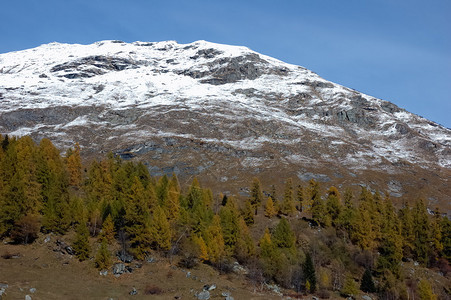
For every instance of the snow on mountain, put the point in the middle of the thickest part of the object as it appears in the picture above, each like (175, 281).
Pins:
(193, 108)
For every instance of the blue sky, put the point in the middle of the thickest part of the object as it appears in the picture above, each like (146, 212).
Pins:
(396, 50)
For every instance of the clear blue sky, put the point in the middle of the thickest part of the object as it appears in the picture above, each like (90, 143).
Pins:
(397, 50)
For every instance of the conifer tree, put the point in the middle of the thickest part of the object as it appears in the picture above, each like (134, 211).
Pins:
(162, 190)
(300, 197)
(270, 210)
(422, 244)
(309, 274)
(436, 233)
(160, 230)
(137, 220)
(283, 236)
(318, 209)
(81, 244)
(248, 212)
(446, 237)
(73, 162)
(390, 246)
(350, 287)
(333, 204)
(245, 247)
(256, 194)
(367, 283)
(107, 232)
(103, 257)
(215, 241)
(172, 205)
(425, 290)
(269, 254)
(229, 216)
(406, 220)
(202, 252)
(288, 204)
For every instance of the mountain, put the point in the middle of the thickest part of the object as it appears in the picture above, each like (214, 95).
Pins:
(225, 113)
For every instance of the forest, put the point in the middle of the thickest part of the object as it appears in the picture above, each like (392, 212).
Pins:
(307, 238)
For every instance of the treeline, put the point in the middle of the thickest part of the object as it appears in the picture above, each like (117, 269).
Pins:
(317, 242)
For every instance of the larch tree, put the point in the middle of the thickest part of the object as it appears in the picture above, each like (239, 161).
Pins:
(73, 162)
(160, 230)
(81, 244)
(270, 210)
(256, 194)
(288, 204)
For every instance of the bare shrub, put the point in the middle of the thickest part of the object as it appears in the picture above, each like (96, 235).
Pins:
(152, 289)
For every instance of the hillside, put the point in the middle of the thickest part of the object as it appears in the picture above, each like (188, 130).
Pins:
(223, 112)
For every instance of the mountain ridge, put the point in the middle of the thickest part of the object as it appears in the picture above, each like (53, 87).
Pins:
(225, 112)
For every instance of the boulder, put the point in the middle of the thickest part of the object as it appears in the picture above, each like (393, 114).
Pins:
(125, 257)
(118, 269)
(204, 295)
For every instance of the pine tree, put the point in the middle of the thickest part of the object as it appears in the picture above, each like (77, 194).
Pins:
(81, 244)
(367, 283)
(309, 274)
(270, 210)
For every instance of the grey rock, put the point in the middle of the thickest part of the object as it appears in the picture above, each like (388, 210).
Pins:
(133, 292)
(27, 297)
(366, 297)
(33, 290)
(103, 272)
(69, 250)
(125, 257)
(118, 269)
(188, 274)
(3, 286)
(47, 239)
(204, 295)
(208, 287)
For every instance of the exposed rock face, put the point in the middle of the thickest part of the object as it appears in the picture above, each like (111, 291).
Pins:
(225, 113)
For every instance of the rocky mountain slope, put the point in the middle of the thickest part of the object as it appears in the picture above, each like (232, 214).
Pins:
(225, 113)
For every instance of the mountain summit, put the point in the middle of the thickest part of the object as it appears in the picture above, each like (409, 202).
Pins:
(225, 113)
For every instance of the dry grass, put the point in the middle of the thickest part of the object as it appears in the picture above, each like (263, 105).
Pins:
(60, 276)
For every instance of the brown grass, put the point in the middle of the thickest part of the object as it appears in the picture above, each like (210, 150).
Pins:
(152, 289)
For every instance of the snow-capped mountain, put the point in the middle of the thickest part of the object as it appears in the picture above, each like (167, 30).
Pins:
(224, 112)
